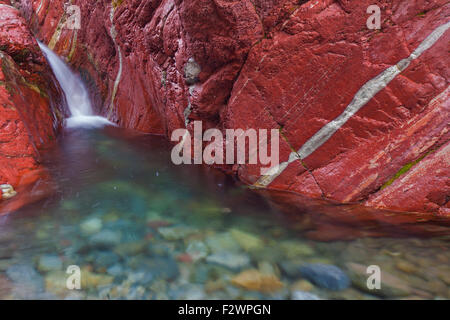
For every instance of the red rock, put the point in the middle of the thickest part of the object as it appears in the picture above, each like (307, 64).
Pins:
(320, 220)
(424, 188)
(29, 105)
(276, 64)
(321, 82)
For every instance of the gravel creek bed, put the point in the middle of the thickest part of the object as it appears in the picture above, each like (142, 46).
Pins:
(139, 229)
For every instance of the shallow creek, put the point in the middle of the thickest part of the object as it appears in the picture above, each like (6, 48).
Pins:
(139, 227)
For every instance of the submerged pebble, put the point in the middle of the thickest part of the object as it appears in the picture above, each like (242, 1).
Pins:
(91, 226)
(246, 240)
(49, 263)
(161, 268)
(115, 270)
(26, 276)
(302, 295)
(302, 285)
(294, 249)
(189, 292)
(105, 239)
(176, 233)
(326, 276)
(292, 268)
(55, 282)
(92, 280)
(390, 286)
(255, 280)
(219, 242)
(104, 259)
(197, 250)
(230, 260)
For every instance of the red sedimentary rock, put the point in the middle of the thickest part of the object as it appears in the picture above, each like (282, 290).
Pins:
(356, 107)
(29, 102)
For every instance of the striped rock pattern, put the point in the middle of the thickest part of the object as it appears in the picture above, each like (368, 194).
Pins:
(363, 114)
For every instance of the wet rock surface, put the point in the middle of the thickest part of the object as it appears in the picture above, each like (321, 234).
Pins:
(280, 64)
(31, 108)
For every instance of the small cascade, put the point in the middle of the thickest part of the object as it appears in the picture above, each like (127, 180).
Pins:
(81, 114)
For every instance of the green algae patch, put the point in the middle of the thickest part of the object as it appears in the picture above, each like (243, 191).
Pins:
(404, 170)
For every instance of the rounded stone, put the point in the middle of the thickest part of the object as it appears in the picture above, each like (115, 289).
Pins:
(325, 276)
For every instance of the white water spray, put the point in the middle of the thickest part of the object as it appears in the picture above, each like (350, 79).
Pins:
(77, 96)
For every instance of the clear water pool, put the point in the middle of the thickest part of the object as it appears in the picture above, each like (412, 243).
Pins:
(139, 227)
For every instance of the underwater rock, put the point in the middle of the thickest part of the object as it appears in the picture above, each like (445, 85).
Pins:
(302, 285)
(325, 276)
(56, 283)
(161, 268)
(189, 292)
(257, 281)
(268, 268)
(160, 249)
(103, 259)
(26, 277)
(301, 295)
(391, 286)
(49, 263)
(219, 242)
(233, 261)
(291, 268)
(115, 270)
(406, 266)
(246, 240)
(90, 280)
(105, 239)
(197, 250)
(130, 248)
(91, 226)
(296, 249)
(176, 232)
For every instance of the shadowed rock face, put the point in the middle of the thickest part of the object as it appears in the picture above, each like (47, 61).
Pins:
(368, 125)
(29, 101)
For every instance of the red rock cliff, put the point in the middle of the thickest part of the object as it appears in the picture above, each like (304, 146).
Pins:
(363, 113)
(29, 101)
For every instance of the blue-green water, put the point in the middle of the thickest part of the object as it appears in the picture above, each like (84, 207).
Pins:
(139, 227)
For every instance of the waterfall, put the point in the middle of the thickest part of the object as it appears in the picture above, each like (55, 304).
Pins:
(81, 114)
